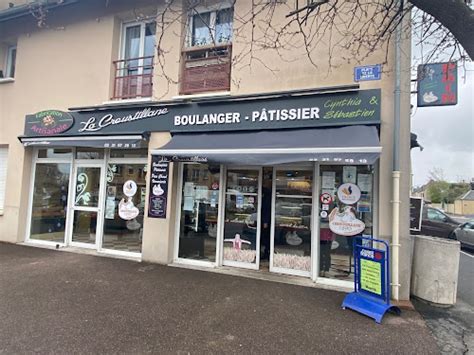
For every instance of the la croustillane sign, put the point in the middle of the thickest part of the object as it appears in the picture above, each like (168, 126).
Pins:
(230, 114)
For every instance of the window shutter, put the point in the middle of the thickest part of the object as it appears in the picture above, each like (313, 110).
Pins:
(3, 175)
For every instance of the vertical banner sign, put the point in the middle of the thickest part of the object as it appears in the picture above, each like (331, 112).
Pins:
(158, 200)
(437, 84)
(371, 294)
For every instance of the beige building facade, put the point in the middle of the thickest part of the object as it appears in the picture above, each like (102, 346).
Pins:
(157, 133)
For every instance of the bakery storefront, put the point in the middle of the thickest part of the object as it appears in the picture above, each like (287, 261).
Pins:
(280, 183)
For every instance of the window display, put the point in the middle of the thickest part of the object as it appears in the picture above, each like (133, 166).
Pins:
(292, 227)
(124, 207)
(199, 208)
(346, 206)
(50, 196)
(241, 216)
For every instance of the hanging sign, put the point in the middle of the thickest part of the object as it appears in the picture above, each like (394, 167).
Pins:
(159, 175)
(437, 84)
(345, 223)
(348, 193)
(371, 294)
(127, 210)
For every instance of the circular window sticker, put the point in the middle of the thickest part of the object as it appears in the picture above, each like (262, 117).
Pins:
(130, 188)
(348, 193)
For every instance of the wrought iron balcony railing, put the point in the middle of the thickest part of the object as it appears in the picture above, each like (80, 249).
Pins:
(133, 78)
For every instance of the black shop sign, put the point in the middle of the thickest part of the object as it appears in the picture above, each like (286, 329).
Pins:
(158, 196)
(275, 112)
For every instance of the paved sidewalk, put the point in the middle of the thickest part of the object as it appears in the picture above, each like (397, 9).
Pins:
(59, 302)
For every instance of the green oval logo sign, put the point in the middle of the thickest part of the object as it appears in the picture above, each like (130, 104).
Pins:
(50, 123)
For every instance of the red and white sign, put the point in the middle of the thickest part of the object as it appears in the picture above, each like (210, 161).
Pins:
(215, 186)
(325, 198)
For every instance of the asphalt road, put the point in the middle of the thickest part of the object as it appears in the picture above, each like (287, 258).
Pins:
(59, 302)
(466, 277)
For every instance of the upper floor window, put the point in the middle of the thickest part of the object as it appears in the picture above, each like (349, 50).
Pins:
(139, 40)
(134, 71)
(212, 27)
(10, 61)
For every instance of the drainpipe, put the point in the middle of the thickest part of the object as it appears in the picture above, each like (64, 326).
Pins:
(396, 168)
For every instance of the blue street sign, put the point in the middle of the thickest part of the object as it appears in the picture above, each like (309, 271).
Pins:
(368, 72)
(371, 294)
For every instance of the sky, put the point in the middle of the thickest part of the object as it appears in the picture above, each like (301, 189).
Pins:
(447, 135)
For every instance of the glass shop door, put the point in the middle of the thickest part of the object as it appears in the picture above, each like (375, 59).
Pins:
(86, 216)
(241, 241)
(291, 230)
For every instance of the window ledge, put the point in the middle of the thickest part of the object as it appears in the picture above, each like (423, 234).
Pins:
(7, 80)
(127, 101)
(200, 96)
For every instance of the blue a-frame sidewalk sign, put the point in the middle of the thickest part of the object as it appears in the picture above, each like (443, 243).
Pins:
(371, 294)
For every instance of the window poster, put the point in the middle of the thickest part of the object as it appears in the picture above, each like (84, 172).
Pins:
(201, 192)
(364, 204)
(214, 198)
(110, 202)
(349, 174)
(188, 204)
(365, 182)
(329, 180)
(188, 189)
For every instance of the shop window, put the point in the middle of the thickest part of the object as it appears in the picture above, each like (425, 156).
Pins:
(124, 231)
(3, 175)
(346, 205)
(199, 209)
(241, 220)
(129, 153)
(53, 153)
(134, 72)
(89, 153)
(292, 226)
(49, 202)
(10, 62)
(207, 56)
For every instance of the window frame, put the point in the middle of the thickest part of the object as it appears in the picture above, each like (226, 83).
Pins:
(4, 148)
(212, 10)
(9, 63)
(125, 26)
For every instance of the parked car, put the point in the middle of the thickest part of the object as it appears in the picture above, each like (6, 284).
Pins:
(436, 223)
(465, 234)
